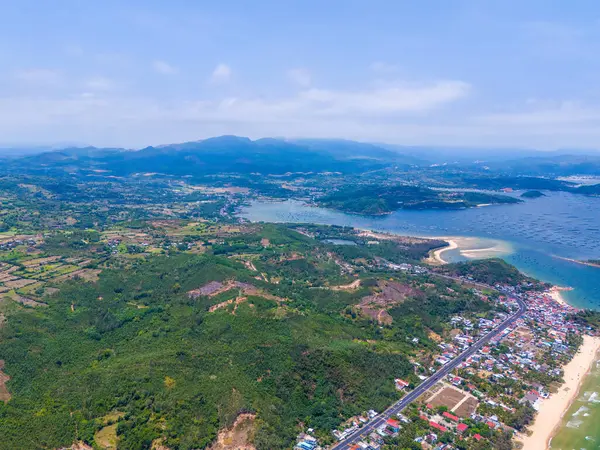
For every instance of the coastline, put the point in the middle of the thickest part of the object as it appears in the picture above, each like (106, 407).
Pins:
(579, 261)
(555, 293)
(470, 248)
(435, 256)
(551, 411)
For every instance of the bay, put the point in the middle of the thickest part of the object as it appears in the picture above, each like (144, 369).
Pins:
(534, 235)
(538, 236)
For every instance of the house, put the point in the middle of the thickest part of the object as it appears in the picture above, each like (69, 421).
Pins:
(462, 427)
(437, 426)
(401, 384)
(532, 398)
(393, 424)
(477, 437)
(452, 417)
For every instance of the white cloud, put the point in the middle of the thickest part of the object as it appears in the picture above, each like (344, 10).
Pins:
(164, 67)
(221, 74)
(39, 76)
(545, 114)
(300, 76)
(368, 114)
(390, 100)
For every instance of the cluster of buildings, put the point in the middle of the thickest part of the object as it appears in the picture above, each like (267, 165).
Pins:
(17, 241)
(538, 342)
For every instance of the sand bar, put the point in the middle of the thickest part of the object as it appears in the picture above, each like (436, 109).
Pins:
(436, 255)
(552, 409)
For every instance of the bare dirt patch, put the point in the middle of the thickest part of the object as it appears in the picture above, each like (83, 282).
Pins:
(107, 437)
(448, 397)
(237, 301)
(458, 402)
(239, 436)
(91, 275)
(40, 261)
(27, 301)
(467, 408)
(215, 288)
(4, 394)
(19, 283)
(387, 294)
(347, 287)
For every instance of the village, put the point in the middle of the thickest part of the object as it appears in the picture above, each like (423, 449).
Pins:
(495, 392)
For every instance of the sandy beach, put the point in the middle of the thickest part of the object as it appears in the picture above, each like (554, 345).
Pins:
(470, 248)
(552, 409)
(555, 293)
(436, 256)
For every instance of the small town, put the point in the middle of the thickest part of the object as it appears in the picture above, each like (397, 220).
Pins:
(496, 391)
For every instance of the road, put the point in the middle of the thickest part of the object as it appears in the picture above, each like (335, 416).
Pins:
(428, 383)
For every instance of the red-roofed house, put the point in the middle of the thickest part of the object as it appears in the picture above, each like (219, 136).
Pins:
(452, 417)
(492, 425)
(401, 384)
(393, 424)
(461, 427)
(437, 426)
(478, 437)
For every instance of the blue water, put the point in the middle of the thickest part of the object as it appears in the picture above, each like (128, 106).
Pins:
(538, 230)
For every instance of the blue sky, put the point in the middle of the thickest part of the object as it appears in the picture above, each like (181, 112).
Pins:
(133, 73)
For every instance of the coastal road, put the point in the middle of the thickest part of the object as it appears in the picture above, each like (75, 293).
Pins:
(372, 425)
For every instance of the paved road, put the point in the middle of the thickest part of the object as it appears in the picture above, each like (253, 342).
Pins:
(428, 383)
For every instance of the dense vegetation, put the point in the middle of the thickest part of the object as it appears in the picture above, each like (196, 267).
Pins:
(588, 318)
(489, 271)
(380, 199)
(134, 346)
(532, 194)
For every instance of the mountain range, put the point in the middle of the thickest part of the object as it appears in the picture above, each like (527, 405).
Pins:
(234, 154)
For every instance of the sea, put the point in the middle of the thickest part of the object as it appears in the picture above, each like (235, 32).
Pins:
(541, 237)
(579, 429)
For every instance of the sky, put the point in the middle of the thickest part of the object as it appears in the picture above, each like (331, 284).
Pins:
(480, 73)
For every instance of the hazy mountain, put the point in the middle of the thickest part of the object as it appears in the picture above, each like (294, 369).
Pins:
(235, 154)
(353, 149)
(223, 154)
(462, 155)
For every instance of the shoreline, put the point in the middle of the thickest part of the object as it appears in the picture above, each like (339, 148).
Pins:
(552, 410)
(555, 293)
(579, 261)
(435, 257)
(467, 249)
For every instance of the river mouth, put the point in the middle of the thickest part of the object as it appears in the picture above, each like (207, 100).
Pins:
(464, 248)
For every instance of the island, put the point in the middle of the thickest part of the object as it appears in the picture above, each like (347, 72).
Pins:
(533, 194)
(383, 199)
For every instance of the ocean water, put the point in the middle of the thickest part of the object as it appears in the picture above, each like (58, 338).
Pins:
(579, 428)
(534, 235)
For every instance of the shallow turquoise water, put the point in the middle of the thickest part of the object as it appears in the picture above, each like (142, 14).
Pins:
(539, 231)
